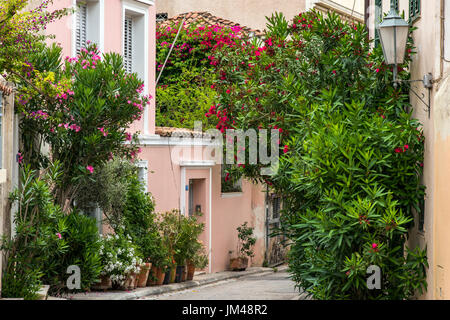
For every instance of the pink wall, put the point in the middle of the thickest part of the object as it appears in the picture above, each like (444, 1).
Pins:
(227, 211)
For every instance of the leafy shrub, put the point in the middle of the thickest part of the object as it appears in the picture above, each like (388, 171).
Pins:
(38, 223)
(181, 104)
(351, 154)
(246, 241)
(82, 111)
(83, 240)
(187, 244)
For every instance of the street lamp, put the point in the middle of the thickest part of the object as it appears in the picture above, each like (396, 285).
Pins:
(393, 32)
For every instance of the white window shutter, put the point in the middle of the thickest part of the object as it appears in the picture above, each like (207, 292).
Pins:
(128, 44)
(81, 31)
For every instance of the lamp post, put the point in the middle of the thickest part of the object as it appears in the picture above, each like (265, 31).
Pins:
(393, 32)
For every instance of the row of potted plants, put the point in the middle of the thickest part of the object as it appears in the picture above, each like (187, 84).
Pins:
(169, 251)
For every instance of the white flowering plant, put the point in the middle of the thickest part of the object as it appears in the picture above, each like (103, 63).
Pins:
(120, 258)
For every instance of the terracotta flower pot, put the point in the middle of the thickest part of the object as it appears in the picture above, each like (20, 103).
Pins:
(143, 275)
(104, 284)
(151, 280)
(239, 263)
(159, 276)
(190, 271)
(129, 282)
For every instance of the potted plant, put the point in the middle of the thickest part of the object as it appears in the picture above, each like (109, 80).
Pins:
(120, 260)
(143, 275)
(246, 241)
(190, 245)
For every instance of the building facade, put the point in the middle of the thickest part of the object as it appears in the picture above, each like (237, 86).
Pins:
(188, 181)
(253, 13)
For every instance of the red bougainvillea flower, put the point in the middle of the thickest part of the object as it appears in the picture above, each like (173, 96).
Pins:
(398, 150)
(378, 70)
(406, 147)
(286, 149)
(90, 169)
(374, 245)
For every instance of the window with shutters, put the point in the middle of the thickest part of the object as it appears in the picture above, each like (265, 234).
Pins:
(414, 10)
(128, 44)
(81, 28)
(88, 24)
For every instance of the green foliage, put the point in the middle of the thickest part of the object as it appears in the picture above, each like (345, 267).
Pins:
(185, 91)
(108, 188)
(21, 33)
(351, 153)
(188, 243)
(83, 251)
(38, 222)
(246, 240)
(81, 110)
(180, 104)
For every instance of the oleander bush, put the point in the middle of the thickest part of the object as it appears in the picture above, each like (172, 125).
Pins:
(351, 153)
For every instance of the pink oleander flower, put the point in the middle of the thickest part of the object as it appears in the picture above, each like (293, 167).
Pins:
(127, 136)
(102, 130)
(90, 169)
(59, 235)
(374, 245)
(286, 149)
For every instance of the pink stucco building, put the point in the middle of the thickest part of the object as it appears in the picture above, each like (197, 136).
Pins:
(188, 181)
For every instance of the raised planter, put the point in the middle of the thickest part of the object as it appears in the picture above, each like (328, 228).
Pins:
(143, 275)
(239, 263)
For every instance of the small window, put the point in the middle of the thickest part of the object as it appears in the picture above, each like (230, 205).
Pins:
(128, 44)
(414, 10)
(161, 17)
(81, 28)
(229, 183)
